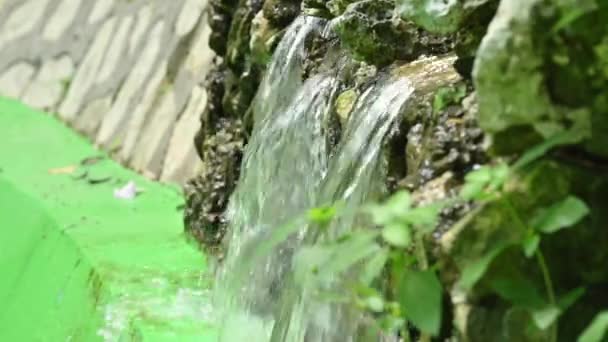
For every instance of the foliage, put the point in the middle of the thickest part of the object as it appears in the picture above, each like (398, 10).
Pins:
(386, 271)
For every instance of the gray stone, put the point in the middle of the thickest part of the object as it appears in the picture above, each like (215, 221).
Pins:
(115, 123)
(188, 17)
(22, 21)
(181, 161)
(149, 154)
(61, 20)
(101, 10)
(139, 116)
(87, 72)
(115, 52)
(143, 22)
(15, 80)
(89, 120)
(50, 84)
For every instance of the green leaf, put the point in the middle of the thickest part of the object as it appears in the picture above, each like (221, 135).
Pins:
(560, 215)
(398, 235)
(373, 267)
(481, 183)
(347, 253)
(424, 218)
(323, 215)
(563, 138)
(544, 318)
(375, 303)
(308, 260)
(518, 290)
(393, 209)
(476, 269)
(420, 300)
(596, 331)
(500, 173)
(530, 244)
(567, 300)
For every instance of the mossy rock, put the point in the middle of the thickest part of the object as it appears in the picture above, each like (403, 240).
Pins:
(367, 30)
(531, 78)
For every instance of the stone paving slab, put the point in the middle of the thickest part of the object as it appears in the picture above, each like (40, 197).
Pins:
(106, 66)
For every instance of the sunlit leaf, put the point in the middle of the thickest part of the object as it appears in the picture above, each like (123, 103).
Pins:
(530, 244)
(373, 267)
(322, 215)
(424, 218)
(500, 173)
(545, 317)
(483, 180)
(596, 331)
(560, 215)
(398, 235)
(393, 209)
(344, 255)
(308, 260)
(375, 303)
(278, 236)
(420, 299)
(476, 269)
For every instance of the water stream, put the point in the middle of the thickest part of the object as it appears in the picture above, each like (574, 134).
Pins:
(288, 169)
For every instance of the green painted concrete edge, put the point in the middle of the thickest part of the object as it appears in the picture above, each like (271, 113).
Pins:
(143, 277)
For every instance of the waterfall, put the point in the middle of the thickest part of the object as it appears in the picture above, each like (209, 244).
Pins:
(287, 169)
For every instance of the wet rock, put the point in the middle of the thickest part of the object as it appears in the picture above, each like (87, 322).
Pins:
(533, 81)
(439, 16)
(480, 311)
(369, 31)
(207, 195)
(264, 37)
(366, 29)
(281, 12)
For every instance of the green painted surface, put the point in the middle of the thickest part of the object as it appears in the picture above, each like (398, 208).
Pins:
(82, 261)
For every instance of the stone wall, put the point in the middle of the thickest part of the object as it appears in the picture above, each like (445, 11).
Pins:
(126, 73)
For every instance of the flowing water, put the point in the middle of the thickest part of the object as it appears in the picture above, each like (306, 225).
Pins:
(288, 169)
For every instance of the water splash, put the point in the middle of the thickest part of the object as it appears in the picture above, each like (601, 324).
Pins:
(355, 175)
(283, 164)
(286, 171)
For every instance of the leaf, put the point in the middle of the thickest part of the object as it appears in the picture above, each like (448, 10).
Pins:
(530, 244)
(479, 184)
(278, 236)
(374, 267)
(307, 262)
(560, 215)
(476, 269)
(323, 215)
(375, 303)
(544, 318)
(420, 300)
(500, 173)
(424, 218)
(351, 251)
(398, 235)
(567, 300)
(596, 331)
(393, 209)
(563, 138)
(518, 290)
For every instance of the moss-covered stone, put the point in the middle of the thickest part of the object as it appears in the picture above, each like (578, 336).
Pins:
(366, 29)
(281, 12)
(528, 73)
